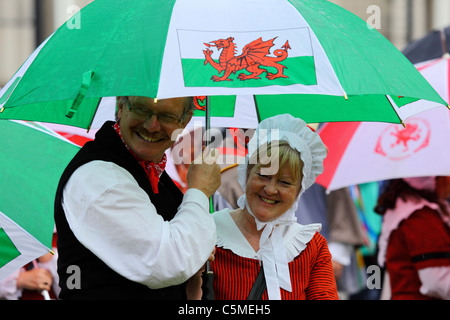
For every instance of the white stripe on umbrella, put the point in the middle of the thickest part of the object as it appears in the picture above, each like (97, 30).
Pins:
(27, 246)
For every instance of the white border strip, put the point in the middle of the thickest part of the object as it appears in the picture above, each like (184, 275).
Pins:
(26, 244)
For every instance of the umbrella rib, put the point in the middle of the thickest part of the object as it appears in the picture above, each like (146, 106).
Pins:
(208, 120)
(393, 108)
(257, 110)
(95, 113)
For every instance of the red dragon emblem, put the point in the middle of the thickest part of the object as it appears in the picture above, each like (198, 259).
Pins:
(411, 132)
(199, 102)
(254, 55)
(396, 143)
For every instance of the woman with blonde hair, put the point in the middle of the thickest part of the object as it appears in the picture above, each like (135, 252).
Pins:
(262, 252)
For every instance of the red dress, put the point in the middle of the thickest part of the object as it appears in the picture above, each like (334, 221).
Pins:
(311, 274)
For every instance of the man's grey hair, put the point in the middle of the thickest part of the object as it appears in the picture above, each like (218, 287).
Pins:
(188, 107)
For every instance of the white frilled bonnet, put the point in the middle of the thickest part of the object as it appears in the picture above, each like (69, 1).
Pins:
(299, 136)
(312, 153)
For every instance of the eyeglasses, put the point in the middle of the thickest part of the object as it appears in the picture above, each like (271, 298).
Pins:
(144, 114)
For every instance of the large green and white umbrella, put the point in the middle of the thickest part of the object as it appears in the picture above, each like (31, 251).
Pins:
(32, 159)
(309, 58)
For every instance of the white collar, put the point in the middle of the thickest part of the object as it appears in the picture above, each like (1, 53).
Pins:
(392, 219)
(293, 238)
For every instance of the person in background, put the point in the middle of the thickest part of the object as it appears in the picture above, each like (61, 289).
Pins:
(337, 214)
(38, 280)
(414, 244)
(233, 149)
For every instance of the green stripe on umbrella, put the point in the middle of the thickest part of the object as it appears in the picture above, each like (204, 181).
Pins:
(8, 250)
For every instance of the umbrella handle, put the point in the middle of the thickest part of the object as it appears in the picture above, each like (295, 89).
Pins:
(46, 295)
(208, 274)
(208, 120)
(207, 283)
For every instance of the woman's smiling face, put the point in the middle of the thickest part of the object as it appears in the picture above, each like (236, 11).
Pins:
(269, 196)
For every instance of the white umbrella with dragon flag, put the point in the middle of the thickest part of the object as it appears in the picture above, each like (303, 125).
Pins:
(309, 58)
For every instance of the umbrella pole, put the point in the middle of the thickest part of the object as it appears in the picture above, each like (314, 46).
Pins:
(95, 113)
(257, 110)
(208, 136)
(208, 274)
(208, 120)
(395, 110)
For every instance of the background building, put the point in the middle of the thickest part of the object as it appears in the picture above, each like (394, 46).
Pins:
(402, 21)
(24, 24)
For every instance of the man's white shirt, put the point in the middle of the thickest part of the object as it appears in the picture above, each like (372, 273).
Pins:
(114, 218)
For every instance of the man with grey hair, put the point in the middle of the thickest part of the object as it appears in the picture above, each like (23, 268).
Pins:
(121, 220)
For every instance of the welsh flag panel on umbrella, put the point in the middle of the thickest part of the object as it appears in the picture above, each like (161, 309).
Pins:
(249, 48)
(281, 57)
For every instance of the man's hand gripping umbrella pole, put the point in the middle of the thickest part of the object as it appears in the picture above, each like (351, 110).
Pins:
(208, 274)
(204, 173)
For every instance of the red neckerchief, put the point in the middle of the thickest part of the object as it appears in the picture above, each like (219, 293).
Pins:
(153, 170)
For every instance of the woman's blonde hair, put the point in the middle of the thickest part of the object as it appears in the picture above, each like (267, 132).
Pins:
(281, 151)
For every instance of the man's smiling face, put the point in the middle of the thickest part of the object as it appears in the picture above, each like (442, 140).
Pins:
(149, 137)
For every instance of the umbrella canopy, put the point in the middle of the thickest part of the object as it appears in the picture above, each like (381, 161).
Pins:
(33, 158)
(309, 58)
(363, 152)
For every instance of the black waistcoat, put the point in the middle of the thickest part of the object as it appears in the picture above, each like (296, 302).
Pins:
(97, 280)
